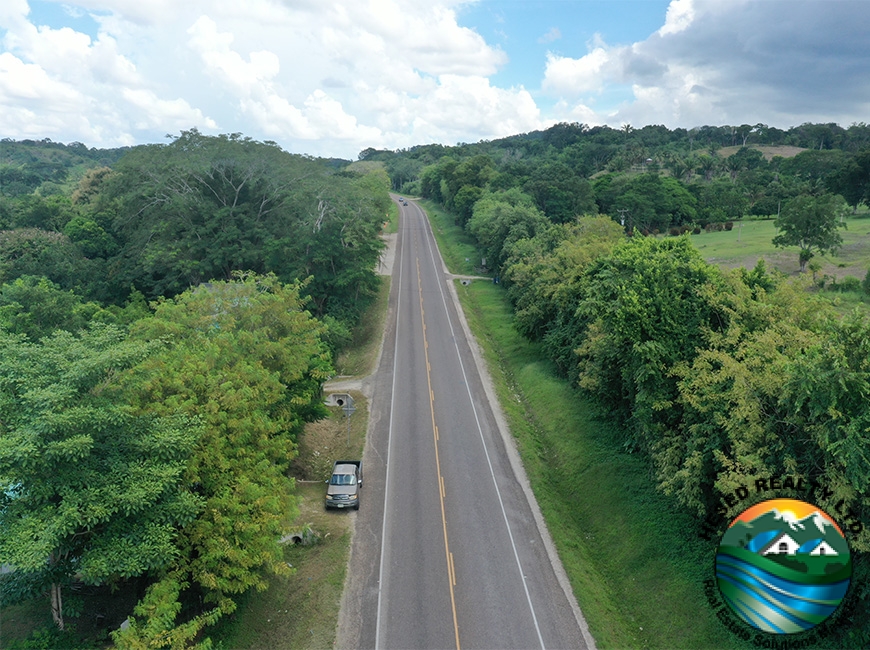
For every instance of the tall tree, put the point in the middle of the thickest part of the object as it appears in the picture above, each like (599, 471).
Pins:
(811, 223)
(852, 181)
(88, 487)
(247, 360)
(203, 207)
(502, 218)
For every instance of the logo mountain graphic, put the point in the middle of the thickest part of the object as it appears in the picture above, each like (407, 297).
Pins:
(764, 528)
(783, 566)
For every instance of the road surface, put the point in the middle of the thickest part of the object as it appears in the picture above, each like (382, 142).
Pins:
(447, 549)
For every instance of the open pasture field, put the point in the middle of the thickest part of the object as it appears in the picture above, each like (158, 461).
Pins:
(751, 240)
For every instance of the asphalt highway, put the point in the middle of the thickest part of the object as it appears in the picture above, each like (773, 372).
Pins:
(448, 550)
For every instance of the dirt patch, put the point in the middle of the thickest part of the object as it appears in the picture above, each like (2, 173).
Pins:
(768, 151)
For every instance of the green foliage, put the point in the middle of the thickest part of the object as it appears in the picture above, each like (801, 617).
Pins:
(544, 272)
(811, 223)
(647, 201)
(89, 486)
(203, 207)
(36, 307)
(720, 200)
(30, 251)
(852, 180)
(649, 304)
(781, 392)
(501, 219)
(559, 193)
(246, 360)
(93, 240)
(155, 624)
(43, 639)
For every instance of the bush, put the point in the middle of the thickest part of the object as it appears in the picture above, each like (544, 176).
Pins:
(674, 231)
(729, 225)
(865, 285)
(849, 283)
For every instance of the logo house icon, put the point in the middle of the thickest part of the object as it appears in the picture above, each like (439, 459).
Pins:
(783, 566)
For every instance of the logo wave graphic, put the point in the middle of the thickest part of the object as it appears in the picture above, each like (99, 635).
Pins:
(771, 601)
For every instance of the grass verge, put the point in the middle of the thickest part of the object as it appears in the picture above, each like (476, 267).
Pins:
(457, 247)
(301, 611)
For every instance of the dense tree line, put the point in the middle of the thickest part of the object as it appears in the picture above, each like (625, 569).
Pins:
(716, 377)
(166, 323)
(166, 217)
(651, 179)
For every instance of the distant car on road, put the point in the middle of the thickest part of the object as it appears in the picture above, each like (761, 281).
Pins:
(405, 203)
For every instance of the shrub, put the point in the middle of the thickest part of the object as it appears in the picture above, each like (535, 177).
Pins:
(729, 225)
(674, 231)
(865, 285)
(849, 283)
(697, 231)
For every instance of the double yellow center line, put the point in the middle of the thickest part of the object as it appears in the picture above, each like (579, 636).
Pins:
(451, 570)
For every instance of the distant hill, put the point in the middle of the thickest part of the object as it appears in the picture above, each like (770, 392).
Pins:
(50, 167)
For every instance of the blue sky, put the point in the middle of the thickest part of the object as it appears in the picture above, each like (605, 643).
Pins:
(333, 77)
(526, 31)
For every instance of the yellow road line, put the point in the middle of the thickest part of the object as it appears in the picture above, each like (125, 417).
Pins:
(451, 575)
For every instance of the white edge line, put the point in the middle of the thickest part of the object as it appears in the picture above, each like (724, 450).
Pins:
(389, 442)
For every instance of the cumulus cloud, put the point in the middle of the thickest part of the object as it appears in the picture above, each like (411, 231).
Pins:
(589, 73)
(679, 17)
(734, 61)
(335, 77)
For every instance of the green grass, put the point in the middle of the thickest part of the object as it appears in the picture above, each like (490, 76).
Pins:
(751, 240)
(457, 247)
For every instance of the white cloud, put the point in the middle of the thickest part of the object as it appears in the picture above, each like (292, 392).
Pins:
(31, 83)
(679, 17)
(553, 35)
(332, 77)
(567, 76)
(730, 61)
